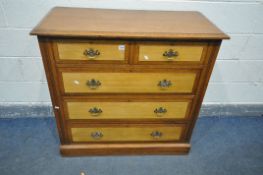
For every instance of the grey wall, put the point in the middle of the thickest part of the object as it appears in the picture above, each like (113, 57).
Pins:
(238, 74)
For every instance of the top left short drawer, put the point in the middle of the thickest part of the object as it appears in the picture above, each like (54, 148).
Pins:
(90, 51)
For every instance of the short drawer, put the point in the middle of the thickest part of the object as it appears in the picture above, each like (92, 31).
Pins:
(172, 82)
(178, 52)
(128, 110)
(90, 51)
(126, 133)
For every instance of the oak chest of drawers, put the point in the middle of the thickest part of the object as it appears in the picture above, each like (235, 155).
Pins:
(126, 82)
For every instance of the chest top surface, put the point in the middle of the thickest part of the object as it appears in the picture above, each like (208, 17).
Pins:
(137, 24)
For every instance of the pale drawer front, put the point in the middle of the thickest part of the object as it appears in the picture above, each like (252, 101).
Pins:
(174, 82)
(128, 133)
(91, 51)
(171, 53)
(127, 110)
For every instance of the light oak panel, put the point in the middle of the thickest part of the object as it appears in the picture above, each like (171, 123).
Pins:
(185, 52)
(132, 133)
(127, 110)
(75, 51)
(182, 82)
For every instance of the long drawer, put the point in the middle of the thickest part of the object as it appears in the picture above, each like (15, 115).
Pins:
(128, 110)
(126, 133)
(122, 82)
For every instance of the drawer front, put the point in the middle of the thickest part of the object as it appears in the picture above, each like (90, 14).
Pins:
(173, 82)
(171, 53)
(91, 51)
(127, 133)
(128, 110)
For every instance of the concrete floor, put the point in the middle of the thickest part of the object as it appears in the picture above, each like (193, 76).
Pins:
(220, 146)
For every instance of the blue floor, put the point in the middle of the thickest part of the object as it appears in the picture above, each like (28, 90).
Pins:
(220, 146)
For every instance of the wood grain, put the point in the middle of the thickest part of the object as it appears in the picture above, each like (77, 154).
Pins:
(75, 50)
(131, 133)
(182, 82)
(137, 24)
(53, 85)
(190, 52)
(128, 93)
(203, 83)
(124, 149)
(128, 110)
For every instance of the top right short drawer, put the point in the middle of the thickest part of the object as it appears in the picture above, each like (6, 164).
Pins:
(169, 53)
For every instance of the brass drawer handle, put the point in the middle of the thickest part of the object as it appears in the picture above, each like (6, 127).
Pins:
(93, 84)
(164, 83)
(156, 134)
(170, 54)
(160, 111)
(95, 111)
(91, 53)
(96, 135)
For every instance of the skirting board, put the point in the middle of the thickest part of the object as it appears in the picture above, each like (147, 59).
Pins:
(124, 149)
(207, 110)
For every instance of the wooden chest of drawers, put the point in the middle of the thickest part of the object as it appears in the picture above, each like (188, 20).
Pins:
(126, 82)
